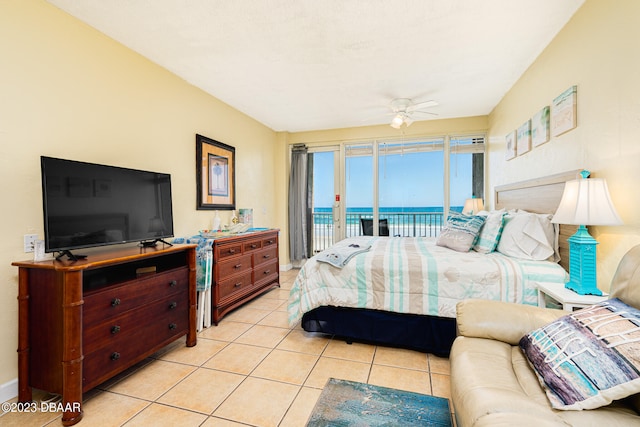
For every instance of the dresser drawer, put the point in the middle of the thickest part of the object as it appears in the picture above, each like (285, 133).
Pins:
(265, 255)
(131, 323)
(252, 245)
(265, 273)
(270, 241)
(119, 354)
(234, 285)
(116, 300)
(234, 266)
(228, 250)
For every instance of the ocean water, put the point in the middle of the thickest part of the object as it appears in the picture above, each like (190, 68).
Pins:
(369, 210)
(396, 216)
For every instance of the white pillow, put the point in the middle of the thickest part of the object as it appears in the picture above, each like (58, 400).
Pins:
(528, 236)
(490, 232)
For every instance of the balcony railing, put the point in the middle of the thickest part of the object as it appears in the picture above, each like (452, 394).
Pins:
(410, 224)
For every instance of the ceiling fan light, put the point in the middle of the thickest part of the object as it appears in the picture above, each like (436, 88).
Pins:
(397, 121)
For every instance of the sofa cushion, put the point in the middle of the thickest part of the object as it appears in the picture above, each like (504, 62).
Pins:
(489, 378)
(589, 358)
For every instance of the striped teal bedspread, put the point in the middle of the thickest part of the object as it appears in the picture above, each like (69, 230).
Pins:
(413, 275)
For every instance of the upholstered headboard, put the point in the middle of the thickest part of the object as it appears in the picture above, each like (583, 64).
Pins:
(539, 195)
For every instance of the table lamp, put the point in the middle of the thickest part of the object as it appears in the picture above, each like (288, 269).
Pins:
(472, 206)
(585, 202)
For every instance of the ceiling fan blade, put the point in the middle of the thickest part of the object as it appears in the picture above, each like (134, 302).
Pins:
(420, 105)
(424, 112)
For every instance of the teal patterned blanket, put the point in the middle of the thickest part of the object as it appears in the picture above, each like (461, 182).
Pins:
(413, 275)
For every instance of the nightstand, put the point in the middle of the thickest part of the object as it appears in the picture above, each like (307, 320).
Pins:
(569, 300)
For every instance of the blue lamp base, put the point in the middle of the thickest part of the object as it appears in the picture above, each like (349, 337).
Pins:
(582, 263)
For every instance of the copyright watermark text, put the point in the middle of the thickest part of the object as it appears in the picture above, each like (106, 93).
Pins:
(40, 406)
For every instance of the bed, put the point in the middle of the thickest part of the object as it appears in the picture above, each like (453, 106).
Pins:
(402, 291)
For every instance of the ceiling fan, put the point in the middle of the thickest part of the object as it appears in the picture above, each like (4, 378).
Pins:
(405, 111)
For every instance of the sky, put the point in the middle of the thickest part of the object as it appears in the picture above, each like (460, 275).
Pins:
(409, 180)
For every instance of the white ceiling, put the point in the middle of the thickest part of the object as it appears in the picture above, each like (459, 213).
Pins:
(298, 65)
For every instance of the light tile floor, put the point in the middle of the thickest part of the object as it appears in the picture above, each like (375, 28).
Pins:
(251, 369)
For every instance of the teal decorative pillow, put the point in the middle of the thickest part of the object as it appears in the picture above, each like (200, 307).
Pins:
(460, 232)
(589, 358)
(490, 232)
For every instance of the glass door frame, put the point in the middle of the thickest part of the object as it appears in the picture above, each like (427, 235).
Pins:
(338, 210)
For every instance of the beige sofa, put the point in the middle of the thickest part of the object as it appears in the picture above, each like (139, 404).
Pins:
(492, 383)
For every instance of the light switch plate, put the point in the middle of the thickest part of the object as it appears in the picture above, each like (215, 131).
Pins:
(29, 242)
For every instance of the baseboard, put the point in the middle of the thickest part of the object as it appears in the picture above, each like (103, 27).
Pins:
(285, 267)
(9, 390)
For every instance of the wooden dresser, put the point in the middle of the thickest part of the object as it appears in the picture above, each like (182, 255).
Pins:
(82, 322)
(244, 267)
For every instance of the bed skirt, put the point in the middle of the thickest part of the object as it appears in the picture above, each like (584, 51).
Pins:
(428, 334)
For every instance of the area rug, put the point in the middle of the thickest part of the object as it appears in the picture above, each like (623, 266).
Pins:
(349, 403)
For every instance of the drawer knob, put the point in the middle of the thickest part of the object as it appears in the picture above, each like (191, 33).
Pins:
(115, 355)
(253, 246)
(172, 326)
(267, 271)
(115, 302)
(173, 283)
(266, 256)
(232, 251)
(237, 285)
(115, 329)
(269, 242)
(173, 305)
(237, 266)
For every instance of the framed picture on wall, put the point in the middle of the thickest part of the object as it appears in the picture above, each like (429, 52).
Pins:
(564, 111)
(524, 138)
(511, 149)
(215, 174)
(540, 127)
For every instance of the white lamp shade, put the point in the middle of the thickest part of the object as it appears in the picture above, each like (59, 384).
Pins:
(472, 206)
(397, 121)
(586, 202)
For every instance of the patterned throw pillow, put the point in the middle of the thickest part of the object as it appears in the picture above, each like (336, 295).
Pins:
(589, 358)
(490, 232)
(460, 232)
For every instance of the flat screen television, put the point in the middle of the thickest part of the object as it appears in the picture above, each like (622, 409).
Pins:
(87, 205)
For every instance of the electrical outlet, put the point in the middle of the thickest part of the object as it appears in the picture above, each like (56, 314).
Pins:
(29, 242)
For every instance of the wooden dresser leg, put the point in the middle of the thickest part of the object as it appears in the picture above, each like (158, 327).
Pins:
(72, 349)
(24, 389)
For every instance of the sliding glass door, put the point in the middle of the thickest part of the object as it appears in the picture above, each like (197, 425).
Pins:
(403, 187)
(323, 191)
(410, 187)
(359, 189)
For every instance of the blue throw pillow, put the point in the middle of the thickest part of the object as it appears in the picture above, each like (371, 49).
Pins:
(490, 232)
(589, 358)
(461, 232)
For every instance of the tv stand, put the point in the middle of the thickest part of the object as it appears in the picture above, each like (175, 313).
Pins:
(69, 255)
(153, 243)
(82, 322)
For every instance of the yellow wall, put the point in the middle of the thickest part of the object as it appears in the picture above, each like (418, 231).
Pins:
(422, 128)
(68, 91)
(598, 51)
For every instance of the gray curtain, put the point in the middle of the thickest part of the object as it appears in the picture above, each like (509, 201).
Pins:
(298, 204)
